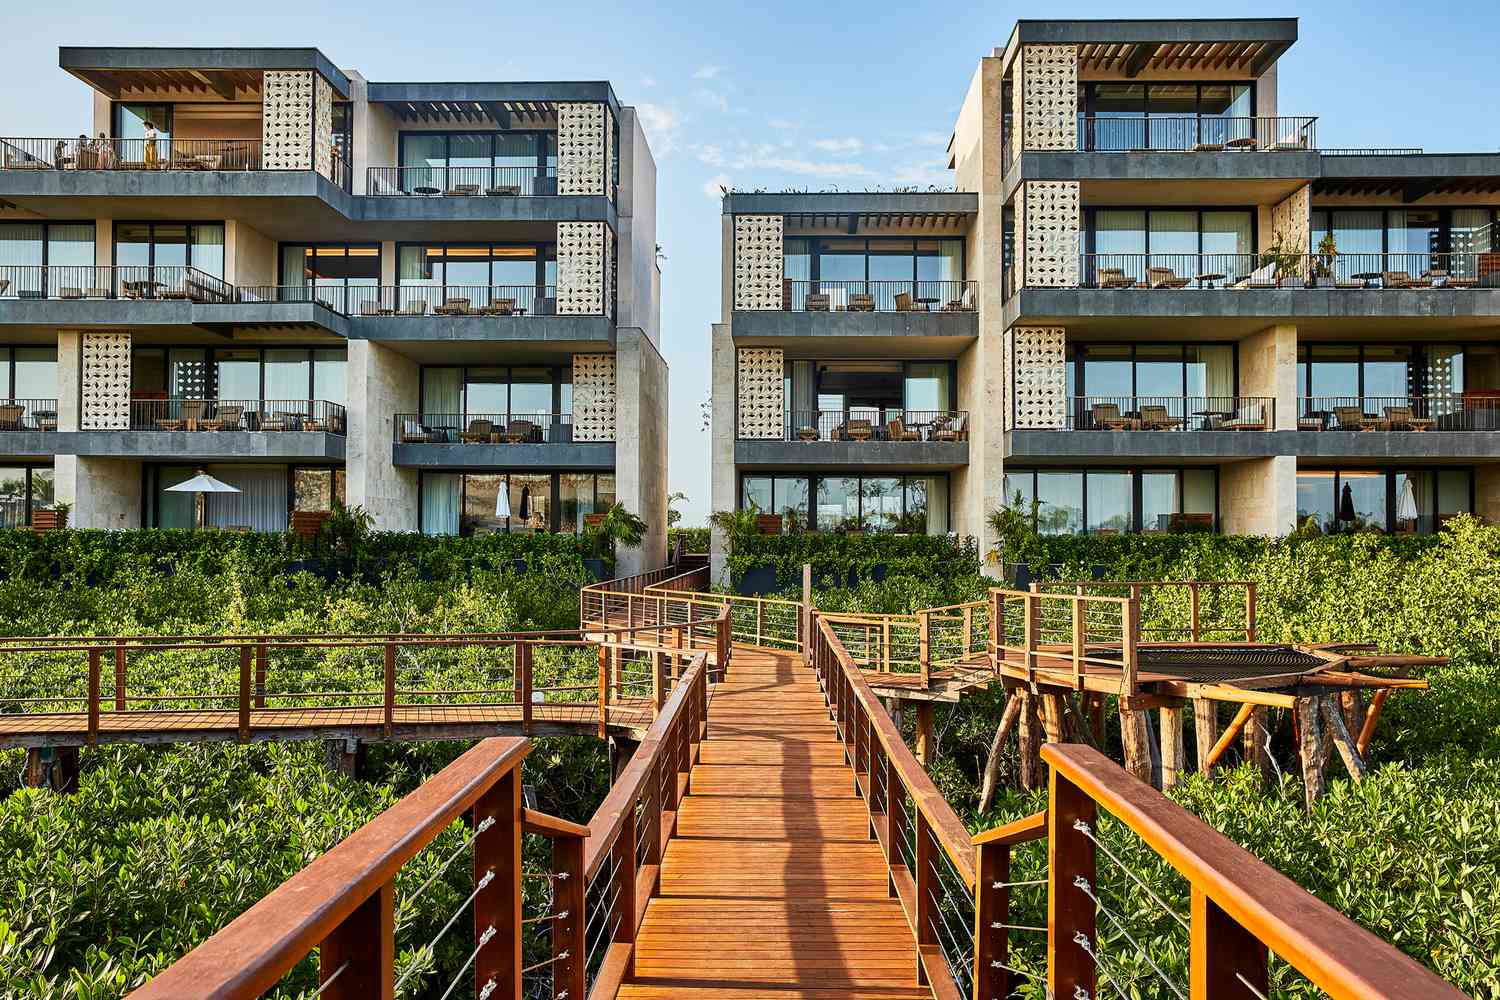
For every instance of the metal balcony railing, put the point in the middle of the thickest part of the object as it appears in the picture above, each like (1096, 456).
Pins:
(28, 414)
(83, 153)
(1398, 413)
(457, 182)
(261, 415)
(484, 428)
(1171, 413)
(1171, 271)
(56, 281)
(871, 424)
(453, 300)
(1195, 133)
(879, 296)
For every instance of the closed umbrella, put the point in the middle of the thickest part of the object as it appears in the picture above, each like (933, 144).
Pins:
(525, 502)
(1346, 505)
(199, 485)
(1406, 507)
(502, 501)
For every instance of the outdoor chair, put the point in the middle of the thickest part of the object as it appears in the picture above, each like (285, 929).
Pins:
(520, 432)
(1399, 418)
(903, 302)
(807, 433)
(897, 431)
(276, 421)
(453, 307)
(503, 190)
(1261, 277)
(414, 432)
(860, 430)
(1350, 418)
(1107, 416)
(1114, 277)
(1248, 417)
(478, 432)
(1164, 277)
(226, 418)
(817, 302)
(952, 429)
(417, 307)
(70, 293)
(462, 191)
(1156, 418)
(861, 302)
(4, 285)
(10, 416)
(1395, 279)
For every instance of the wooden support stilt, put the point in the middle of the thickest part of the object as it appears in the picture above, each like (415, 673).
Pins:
(1367, 731)
(1206, 731)
(1135, 737)
(1030, 733)
(344, 756)
(924, 732)
(992, 765)
(1312, 749)
(1236, 726)
(1258, 744)
(1052, 717)
(1352, 702)
(1333, 716)
(1172, 752)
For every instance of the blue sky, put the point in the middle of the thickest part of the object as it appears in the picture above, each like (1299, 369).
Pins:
(775, 94)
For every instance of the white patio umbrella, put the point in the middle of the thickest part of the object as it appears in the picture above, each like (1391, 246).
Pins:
(502, 500)
(1406, 507)
(199, 485)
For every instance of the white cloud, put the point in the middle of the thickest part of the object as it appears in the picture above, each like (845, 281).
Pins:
(711, 155)
(845, 145)
(770, 158)
(662, 125)
(713, 99)
(707, 72)
(712, 188)
(648, 81)
(783, 123)
(922, 175)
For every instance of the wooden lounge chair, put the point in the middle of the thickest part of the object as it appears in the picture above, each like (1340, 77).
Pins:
(1399, 418)
(1107, 416)
(4, 285)
(1114, 277)
(861, 302)
(1350, 418)
(860, 430)
(1249, 417)
(417, 307)
(453, 307)
(903, 302)
(1395, 279)
(269, 421)
(520, 432)
(500, 307)
(503, 190)
(1244, 142)
(70, 293)
(1156, 418)
(1164, 277)
(954, 428)
(817, 302)
(462, 191)
(226, 418)
(369, 307)
(96, 292)
(807, 433)
(768, 524)
(415, 432)
(478, 432)
(10, 416)
(1261, 277)
(898, 431)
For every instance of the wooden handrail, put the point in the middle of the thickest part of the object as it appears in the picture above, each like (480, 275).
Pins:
(257, 948)
(1021, 831)
(1336, 954)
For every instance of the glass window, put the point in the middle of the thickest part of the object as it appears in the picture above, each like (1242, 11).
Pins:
(1367, 491)
(1175, 235)
(604, 491)
(287, 374)
(175, 510)
(789, 499)
(1210, 371)
(1200, 498)
(880, 503)
(575, 497)
(260, 504)
(756, 492)
(1107, 371)
(1386, 373)
(21, 255)
(1333, 370)
(838, 502)
(43, 487)
(927, 387)
(1110, 503)
(238, 375)
(530, 502)
(36, 373)
(796, 259)
(1019, 490)
(841, 260)
(940, 260)
(1454, 487)
(207, 249)
(481, 504)
(69, 246)
(1118, 231)
(1226, 100)
(131, 119)
(1060, 495)
(1159, 371)
(169, 245)
(530, 391)
(13, 491)
(1161, 501)
(892, 260)
(329, 381)
(1227, 233)
(1315, 498)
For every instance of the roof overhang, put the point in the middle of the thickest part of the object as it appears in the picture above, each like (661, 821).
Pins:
(219, 74)
(1131, 47)
(932, 212)
(517, 105)
(1410, 177)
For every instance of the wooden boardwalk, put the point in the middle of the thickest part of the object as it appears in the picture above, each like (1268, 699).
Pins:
(772, 886)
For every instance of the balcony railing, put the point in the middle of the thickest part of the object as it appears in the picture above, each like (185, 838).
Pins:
(453, 300)
(1174, 271)
(261, 415)
(860, 425)
(117, 282)
(28, 414)
(1171, 413)
(484, 428)
(458, 182)
(1195, 133)
(130, 154)
(879, 296)
(1398, 413)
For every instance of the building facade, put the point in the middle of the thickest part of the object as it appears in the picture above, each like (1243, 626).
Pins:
(439, 302)
(1153, 302)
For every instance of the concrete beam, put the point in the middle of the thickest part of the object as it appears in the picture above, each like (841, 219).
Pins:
(598, 455)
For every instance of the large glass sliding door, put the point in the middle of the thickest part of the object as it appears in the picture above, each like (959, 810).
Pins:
(499, 278)
(470, 503)
(905, 504)
(519, 162)
(1115, 501)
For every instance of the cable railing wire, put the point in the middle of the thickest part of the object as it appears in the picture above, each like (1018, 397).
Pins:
(426, 950)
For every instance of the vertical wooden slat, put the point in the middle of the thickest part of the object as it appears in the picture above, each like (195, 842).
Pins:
(991, 913)
(1078, 638)
(924, 645)
(604, 692)
(968, 631)
(569, 974)
(805, 613)
(1130, 628)
(1250, 626)
(119, 675)
(1031, 629)
(1220, 953)
(364, 947)
(1193, 605)
(1070, 855)
(625, 915)
(523, 667)
(93, 696)
(244, 694)
(390, 688)
(498, 904)
(927, 886)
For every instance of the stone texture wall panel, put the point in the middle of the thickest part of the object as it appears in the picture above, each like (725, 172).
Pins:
(287, 120)
(582, 258)
(758, 262)
(594, 397)
(759, 387)
(1037, 376)
(582, 149)
(104, 382)
(1050, 220)
(323, 126)
(1049, 97)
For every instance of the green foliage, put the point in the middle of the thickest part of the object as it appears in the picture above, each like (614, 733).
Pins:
(834, 555)
(693, 539)
(346, 530)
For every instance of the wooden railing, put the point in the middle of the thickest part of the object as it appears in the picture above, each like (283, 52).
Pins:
(1180, 606)
(1064, 635)
(928, 640)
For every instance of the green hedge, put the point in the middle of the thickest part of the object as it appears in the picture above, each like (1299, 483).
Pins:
(834, 556)
(693, 539)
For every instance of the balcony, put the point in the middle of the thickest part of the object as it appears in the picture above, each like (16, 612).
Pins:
(1361, 414)
(490, 440)
(69, 282)
(879, 296)
(462, 182)
(867, 309)
(1195, 134)
(265, 416)
(1171, 413)
(828, 439)
(1171, 272)
(166, 154)
(28, 415)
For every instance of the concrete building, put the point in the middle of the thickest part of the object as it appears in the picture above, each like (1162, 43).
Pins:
(434, 300)
(1153, 302)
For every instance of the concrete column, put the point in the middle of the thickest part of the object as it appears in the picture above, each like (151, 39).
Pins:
(1259, 496)
(1268, 367)
(724, 488)
(1487, 492)
(381, 383)
(641, 445)
(250, 257)
(105, 492)
(69, 378)
(104, 242)
(639, 305)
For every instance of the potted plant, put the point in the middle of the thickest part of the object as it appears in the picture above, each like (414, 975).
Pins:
(52, 518)
(1327, 255)
(1286, 255)
(615, 527)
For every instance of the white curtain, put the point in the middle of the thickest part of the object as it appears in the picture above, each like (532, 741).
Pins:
(261, 504)
(441, 494)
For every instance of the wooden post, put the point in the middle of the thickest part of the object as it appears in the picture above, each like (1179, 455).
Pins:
(1172, 753)
(1193, 605)
(523, 664)
(658, 681)
(924, 646)
(1258, 744)
(515, 673)
(390, 688)
(569, 974)
(1130, 629)
(364, 947)
(1250, 627)
(991, 912)
(924, 732)
(1342, 741)
(1206, 731)
(498, 904)
(119, 675)
(1352, 701)
(928, 890)
(1078, 638)
(968, 632)
(93, 696)
(1031, 775)
(262, 655)
(1135, 738)
(895, 825)
(1031, 629)
(1052, 717)
(1225, 961)
(1070, 911)
(604, 692)
(885, 645)
(624, 912)
(1367, 731)
(1312, 749)
(244, 694)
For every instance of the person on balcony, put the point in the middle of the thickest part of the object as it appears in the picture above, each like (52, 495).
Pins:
(106, 152)
(150, 137)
